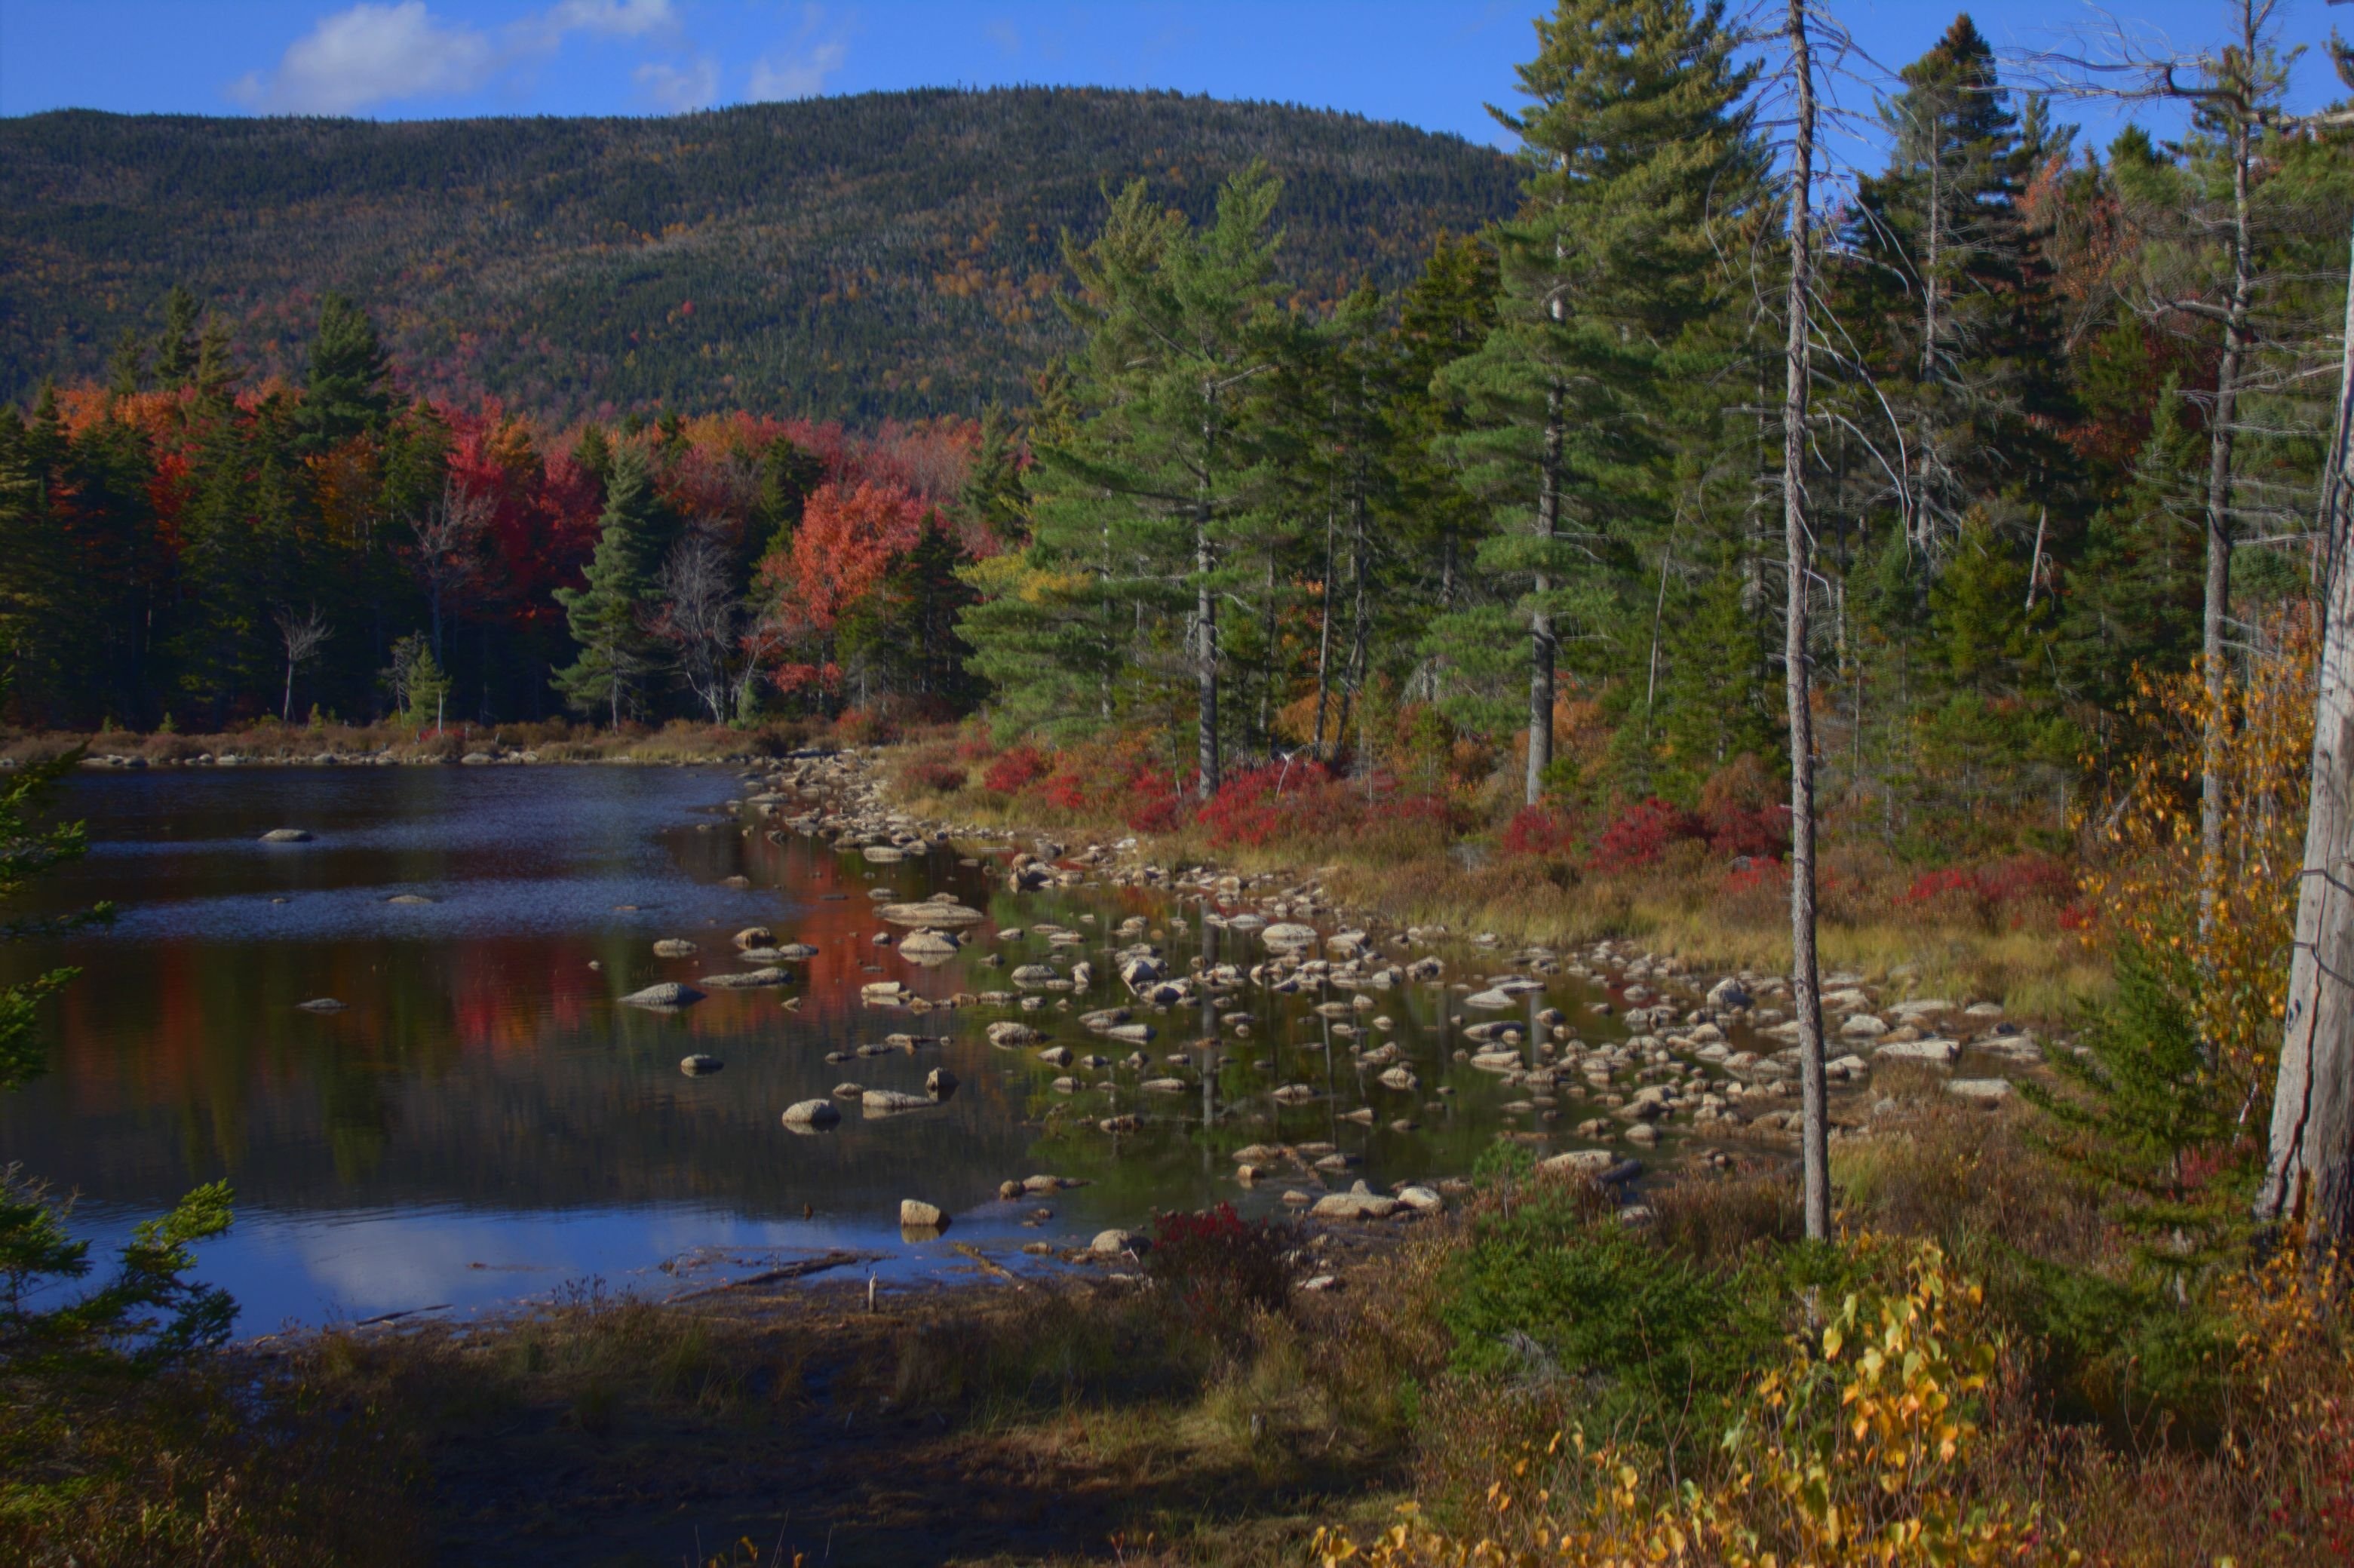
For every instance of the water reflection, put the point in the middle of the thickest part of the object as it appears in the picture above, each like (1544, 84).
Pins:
(481, 1120)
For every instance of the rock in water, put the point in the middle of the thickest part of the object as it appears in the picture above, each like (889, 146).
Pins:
(1289, 935)
(1010, 1035)
(695, 1067)
(746, 980)
(287, 836)
(940, 1083)
(915, 1215)
(674, 947)
(756, 936)
(811, 1113)
(669, 993)
(891, 1102)
(1115, 1244)
(321, 1004)
(927, 946)
(932, 915)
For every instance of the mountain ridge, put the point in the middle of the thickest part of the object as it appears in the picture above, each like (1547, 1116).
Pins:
(872, 256)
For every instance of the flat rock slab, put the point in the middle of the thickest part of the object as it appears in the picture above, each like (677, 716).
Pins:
(1933, 1049)
(936, 917)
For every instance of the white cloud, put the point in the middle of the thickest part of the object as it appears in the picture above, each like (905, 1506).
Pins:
(801, 75)
(377, 53)
(371, 54)
(610, 18)
(799, 68)
(693, 85)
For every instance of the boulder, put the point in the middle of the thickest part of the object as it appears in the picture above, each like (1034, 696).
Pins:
(1984, 1091)
(1119, 1244)
(674, 947)
(1011, 1035)
(940, 1083)
(893, 1102)
(796, 952)
(756, 936)
(811, 1113)
(915, 1215)
(1401, 1080)
(321, 1004)
(1421, 1200)
(1288, 935)
(1728, 994)
(287, 836)
(1359, 1203)
(698, 1065)
(927, 946)
(1056, 1055)
(1579, 1162)
(849, 1091)
(668, 995)
(1863, 1026)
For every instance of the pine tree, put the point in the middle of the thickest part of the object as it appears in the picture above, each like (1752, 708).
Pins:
(1139, 503)
(607, 614)
(1634, 133)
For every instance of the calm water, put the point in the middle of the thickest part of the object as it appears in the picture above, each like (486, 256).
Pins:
(483, 1121)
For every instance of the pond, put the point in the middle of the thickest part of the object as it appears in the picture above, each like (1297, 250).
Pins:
(483, 1121)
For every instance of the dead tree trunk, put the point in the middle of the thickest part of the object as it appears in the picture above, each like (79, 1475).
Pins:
(1541, 628)
(2310, 1176)
(1806, 998)
(2217, 608)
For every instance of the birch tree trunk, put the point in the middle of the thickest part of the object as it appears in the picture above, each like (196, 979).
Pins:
(1806, 998)
(2310, 1176)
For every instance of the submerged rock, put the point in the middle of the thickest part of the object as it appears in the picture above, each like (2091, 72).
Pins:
(669, 993)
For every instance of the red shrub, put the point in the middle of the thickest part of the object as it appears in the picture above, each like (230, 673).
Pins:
(1216, 1264)
(2006, 892)
(1065, 791)
(1017, 770)
(1256, 806)
(1642, 834)
(1539, 831)
(939, 777)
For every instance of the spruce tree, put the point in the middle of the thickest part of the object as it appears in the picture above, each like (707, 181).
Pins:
(350, 384)
(607, 614)
(176, 345)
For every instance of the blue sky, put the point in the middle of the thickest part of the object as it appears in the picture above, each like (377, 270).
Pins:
(1428, 63)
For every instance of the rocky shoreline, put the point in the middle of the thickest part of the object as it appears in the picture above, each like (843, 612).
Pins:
(1711, 1056)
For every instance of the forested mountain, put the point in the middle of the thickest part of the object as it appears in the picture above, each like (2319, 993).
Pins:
(890, 254)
